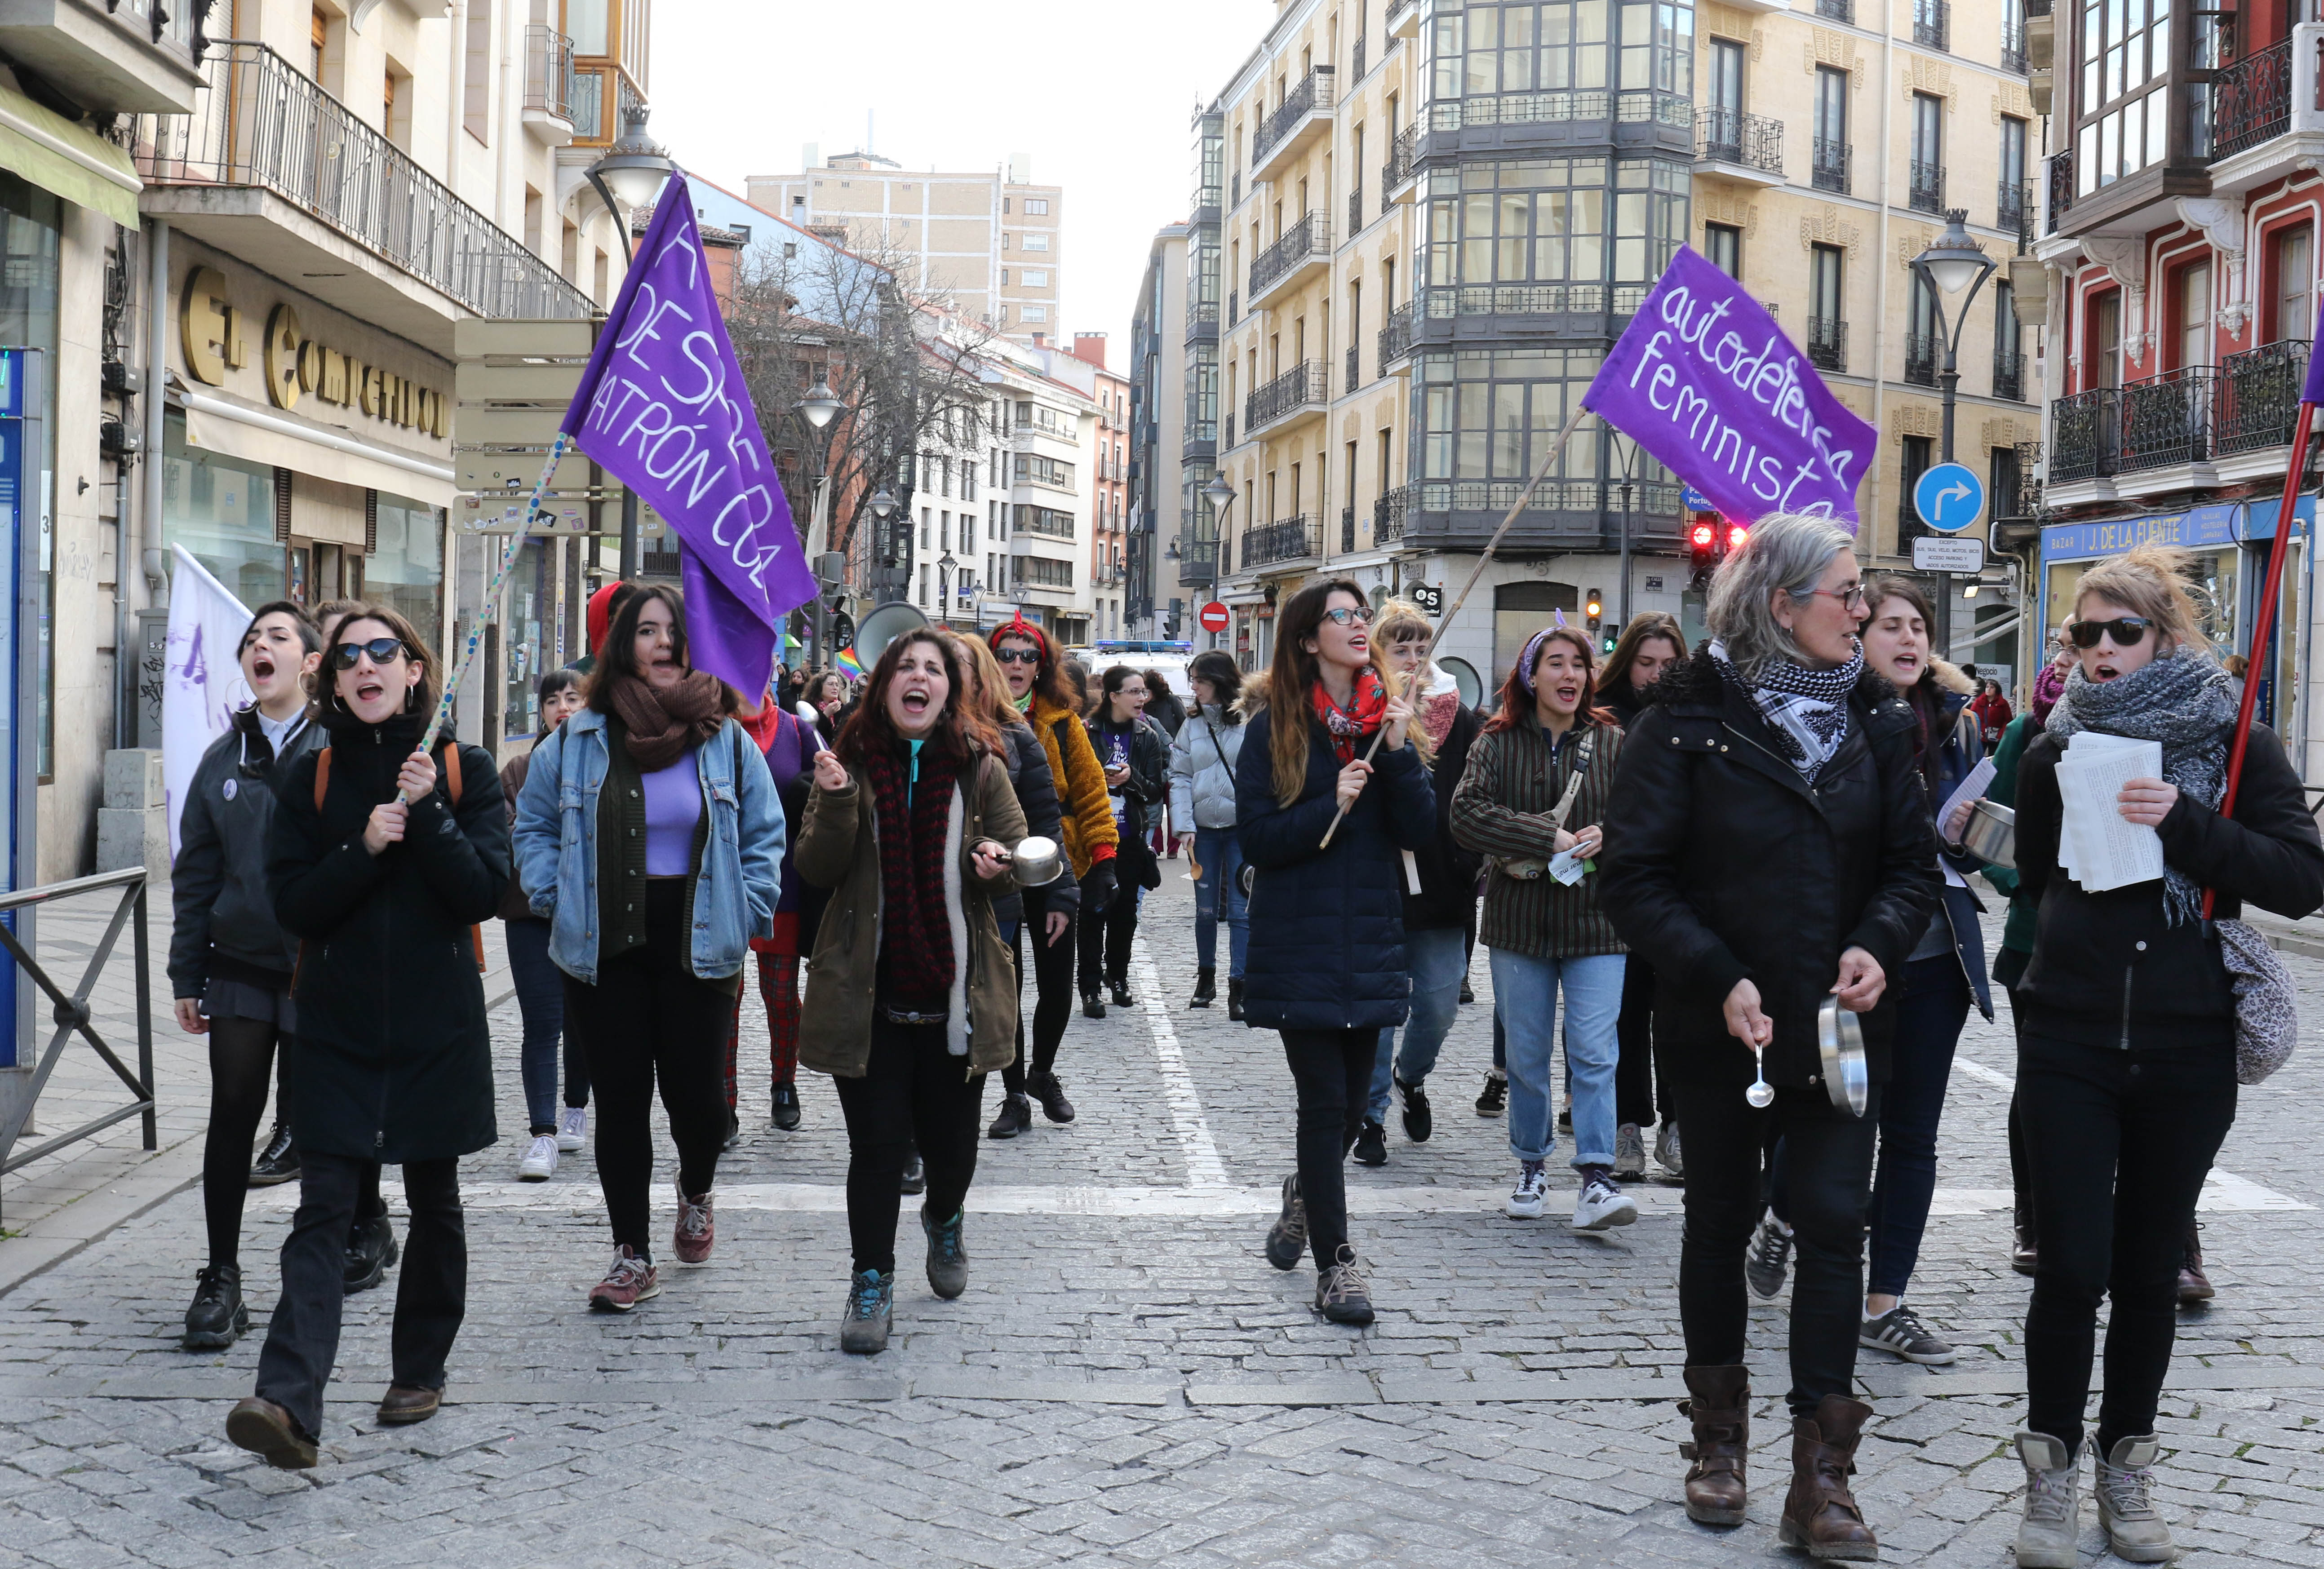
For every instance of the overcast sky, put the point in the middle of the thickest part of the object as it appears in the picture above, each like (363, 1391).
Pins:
(1099, 93)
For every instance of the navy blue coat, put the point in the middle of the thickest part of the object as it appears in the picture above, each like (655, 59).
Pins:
(1327, 926)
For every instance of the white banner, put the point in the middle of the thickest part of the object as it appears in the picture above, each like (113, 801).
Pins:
(201, 676)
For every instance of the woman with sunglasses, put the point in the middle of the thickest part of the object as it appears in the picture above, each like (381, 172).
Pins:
(231, 963)
(2127, 1051)
(1768, 847)
(1326, 967)
(381, 867)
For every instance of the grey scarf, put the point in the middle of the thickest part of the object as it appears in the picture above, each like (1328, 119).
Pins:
(2189, 704)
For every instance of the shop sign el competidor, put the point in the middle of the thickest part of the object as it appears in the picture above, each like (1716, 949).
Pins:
(297, 366)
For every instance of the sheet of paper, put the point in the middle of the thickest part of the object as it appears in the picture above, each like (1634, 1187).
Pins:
(1971, 789)
(1569, 867)
(2098, 846)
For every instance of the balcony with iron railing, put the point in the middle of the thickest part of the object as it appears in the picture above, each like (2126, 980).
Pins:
(2251, 100)
(1403, 18)
(1355, 371)
(1928, 186)
(1229, 439)
(2027, 502)
(1304, 248)
(1348, 529)
(1355, 211)
(2012, 46)
(1837, 11)
(2060, 179)
(1922, 352)
(2259, 396)
(1829, 171)
(1396, 175)
(2085, 435)
(1296, 394)
(271, 165)
(1396, 338)
(125, 57)
(1302, 118)
(2162, 422)
(1932, 25)
(1828, 343)
(1234, 308)
(1751, 144)
(2009, 376)
(2012, 210)
(1359, 60)
(548, 86)
(2166, 420)
(1299, 539)
(1387, 515)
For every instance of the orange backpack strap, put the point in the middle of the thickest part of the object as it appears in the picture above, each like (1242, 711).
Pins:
(451, 753)
(322, 776)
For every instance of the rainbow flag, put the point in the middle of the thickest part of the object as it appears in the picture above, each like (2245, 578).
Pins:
(848, 662)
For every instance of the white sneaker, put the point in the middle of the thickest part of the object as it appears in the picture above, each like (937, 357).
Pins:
(540, 1162)
(573, 1129)
(1601, 1204)
(1531, 1189)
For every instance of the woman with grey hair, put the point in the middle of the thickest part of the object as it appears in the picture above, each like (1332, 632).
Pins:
(1769, 845)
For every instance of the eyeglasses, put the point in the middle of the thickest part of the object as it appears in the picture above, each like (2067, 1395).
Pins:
(2128, 632)
(1850, 597)
(1017, 656)
(380, 649)
(1346, 616)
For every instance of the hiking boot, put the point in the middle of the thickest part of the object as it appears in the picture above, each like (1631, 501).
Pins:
(1371, 1144)
(2022, 1253)
(1493, 1100)
(540, 1162)
(1341, 1295)
(2194, 1286)
(1531, 1192)
(947, 1259)
(1770, 1257)
(1719, 1406)
(697, 1228)
(630, 1280)
(371, 1249)
(1601, 1205)
(1045, 1089)
(1419, 1122)
(2125, 1477)
(1820, 1514)
(1234, 1000)
(1016, 1116)
(278, 1162)
(1629, 1153)
(1206, 987)
(1121, 997)
(219, 1316)
(1093, 1006)
(916, 1174)
(787, 1107)
(1666, 1150)
(1899, 1331)
(1286, 1239)
(573, 1130)
(871, 1311)
(270, 1433)
(2050, 1532)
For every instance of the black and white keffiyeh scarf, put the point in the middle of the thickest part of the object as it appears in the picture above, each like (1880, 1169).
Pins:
(1807, 709)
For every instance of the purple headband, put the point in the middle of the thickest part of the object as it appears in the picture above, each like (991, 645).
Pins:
(1531, 657)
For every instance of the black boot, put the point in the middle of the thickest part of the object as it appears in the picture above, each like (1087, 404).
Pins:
(278, 1162)
(1121, 997)
(1235, 999)
(1206, 987)
(371, 1249)
(217, 1317)
(1092, 1004)
(1045, 1088)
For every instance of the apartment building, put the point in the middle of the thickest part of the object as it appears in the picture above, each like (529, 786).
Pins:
(2179, 207)
(1154, 604)
(990, 245)
(1108, 555)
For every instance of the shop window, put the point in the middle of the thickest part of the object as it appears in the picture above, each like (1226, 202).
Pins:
(222, 511)
(523, 650)
(405, 571)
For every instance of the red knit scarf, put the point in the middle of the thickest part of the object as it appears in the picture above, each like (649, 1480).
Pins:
(1350, 726)
(916, 968)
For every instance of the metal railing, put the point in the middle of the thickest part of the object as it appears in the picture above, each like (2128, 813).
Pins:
(1234, 190)
(1396, 338)
(1920, 352)
(2161, 421)
(1932, 25)
(2259, 395)
(548, 71)
(1296, 539)
(2028, 498)
(2085, 435)
(2012, 46)
(1355, 210)
(1751, 141)
(2013, 209)
(2166, 419)
(1400, 157)
(1836, 10)
(263, 123)
(2009, 376)
(2251, 100)
(588, 106)
(1309, 237)
(1830, 169)
(1234, 308)
(2062, 186)
(1387, 515)
(1348, 529)
(1928, 192)
(1358, 59)
(1295, 388)
(1311, 95)
(1828, 343)
(1355, 371)
(1229, 439)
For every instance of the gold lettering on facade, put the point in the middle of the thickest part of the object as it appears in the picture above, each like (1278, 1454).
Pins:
(206, 326)
(281, 359)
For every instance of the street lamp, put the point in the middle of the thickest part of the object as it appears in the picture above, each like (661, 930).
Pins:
(1220, 496)
(945, 566)
(817, 408)
(1953, 268)
(631, 173)
(820, 404)
(883, 507)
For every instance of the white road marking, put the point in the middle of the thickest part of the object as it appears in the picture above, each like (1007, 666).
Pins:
(1205, 1172)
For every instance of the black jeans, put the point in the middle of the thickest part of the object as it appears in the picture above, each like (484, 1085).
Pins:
(431, 1294)
(1634, 1069)
(2119, 1143)
(913, 1090)
(1333, 1071)
(650, 1022)
(1053, 987)
(1828, 1155)
(540, 998)
(1105, 940)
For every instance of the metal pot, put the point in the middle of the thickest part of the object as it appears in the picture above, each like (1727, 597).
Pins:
(1991, 834)
(1839, 1040)
(1036, 861)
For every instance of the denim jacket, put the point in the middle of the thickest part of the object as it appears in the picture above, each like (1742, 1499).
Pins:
(556, 845)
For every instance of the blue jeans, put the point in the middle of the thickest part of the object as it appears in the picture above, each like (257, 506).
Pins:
(1438, 958)
(1219, 853)
(1527, 988)
(541, 997)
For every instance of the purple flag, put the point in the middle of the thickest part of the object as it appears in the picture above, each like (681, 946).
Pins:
(2314, 393)
(663, 409)
(1706, 381)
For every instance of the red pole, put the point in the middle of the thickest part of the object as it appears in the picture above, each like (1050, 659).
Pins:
(2264, 622)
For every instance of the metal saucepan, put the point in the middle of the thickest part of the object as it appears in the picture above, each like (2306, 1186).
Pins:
(1036, 861)
(1840, 1037)
(1991, 833)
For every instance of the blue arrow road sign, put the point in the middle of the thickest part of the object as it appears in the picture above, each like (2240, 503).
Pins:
(1694, 501)
(1948, 498)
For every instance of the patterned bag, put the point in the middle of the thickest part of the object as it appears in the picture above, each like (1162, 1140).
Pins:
(2267, 1027)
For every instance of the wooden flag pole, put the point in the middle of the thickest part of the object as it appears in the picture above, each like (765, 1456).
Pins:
(1539, 474)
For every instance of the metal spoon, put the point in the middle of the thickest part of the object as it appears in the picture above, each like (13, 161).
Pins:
(1761, 1094)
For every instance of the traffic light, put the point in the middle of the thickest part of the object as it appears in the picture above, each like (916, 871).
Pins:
(1736, 534)
(1594, 606)
(1611, 636)
(1702, 547)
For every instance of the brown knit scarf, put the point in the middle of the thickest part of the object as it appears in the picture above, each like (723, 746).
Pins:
(662, 724)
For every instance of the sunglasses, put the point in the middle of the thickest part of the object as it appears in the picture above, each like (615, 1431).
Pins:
(2128, 632)
(1347, 617)
(380, 649)
(1017, 656)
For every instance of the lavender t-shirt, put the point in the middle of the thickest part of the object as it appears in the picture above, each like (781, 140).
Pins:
(673, 807)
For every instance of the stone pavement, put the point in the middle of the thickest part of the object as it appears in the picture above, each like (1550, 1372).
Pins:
(1126, 1381)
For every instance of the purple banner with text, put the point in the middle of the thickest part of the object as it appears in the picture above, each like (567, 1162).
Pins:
(1706, 382)
(663, 409)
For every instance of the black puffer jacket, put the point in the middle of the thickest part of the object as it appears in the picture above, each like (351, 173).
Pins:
(1036, 794)
(395, 1061)
(1723, 862)
(224, 912)
(2107, 969)
(1448, 873)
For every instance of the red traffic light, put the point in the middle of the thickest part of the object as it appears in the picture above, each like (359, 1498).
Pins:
(1703, 536)
(1736, 534)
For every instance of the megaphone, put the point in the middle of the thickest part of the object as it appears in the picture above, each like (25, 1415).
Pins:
(883, 626)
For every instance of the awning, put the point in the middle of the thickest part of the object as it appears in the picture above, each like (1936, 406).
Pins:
(256, 436)
(60, 156)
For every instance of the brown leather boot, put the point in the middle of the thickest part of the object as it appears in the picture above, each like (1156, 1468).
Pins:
(1721, 1413)
(1820, 1514)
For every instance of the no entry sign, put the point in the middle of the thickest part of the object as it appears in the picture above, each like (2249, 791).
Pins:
(1214, 617)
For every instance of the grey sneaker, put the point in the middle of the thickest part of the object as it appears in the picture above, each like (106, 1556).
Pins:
(1600, 1205)
(1341, 1295)
(1900, 1330)
(1629, 1153)
(2049, 1533)
(2133, 1530)
(1770, 1256)
(1531, 1192)
(1666, 1151)
(1286, 1239)
(870, 1308)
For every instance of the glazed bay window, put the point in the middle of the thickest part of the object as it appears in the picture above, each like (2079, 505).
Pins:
(1514, 63)
(1487, 415)
(1541, 236)
(2123, 122)
(1202, 391)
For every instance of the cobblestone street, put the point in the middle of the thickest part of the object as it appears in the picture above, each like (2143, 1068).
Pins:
(1126, 1380)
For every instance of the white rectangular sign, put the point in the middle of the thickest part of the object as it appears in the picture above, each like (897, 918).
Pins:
(1933, 554)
